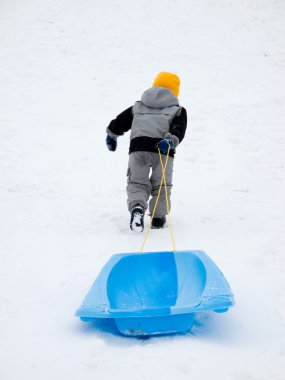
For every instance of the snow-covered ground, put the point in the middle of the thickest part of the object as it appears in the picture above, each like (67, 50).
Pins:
(66, 68)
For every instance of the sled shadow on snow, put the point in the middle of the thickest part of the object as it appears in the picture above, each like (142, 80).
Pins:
(155, 293)
(205, 327)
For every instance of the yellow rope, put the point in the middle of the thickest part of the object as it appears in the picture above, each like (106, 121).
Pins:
(167, 202)
(163, 181)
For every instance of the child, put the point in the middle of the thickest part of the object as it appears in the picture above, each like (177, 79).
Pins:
(156, 121)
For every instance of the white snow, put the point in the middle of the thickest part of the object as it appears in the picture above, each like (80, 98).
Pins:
(66, 69)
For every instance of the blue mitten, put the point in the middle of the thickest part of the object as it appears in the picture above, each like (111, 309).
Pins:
(164, 144)
(111, 143)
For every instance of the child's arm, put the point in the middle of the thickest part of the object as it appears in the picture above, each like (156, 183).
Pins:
(178, 127)
(121, 124)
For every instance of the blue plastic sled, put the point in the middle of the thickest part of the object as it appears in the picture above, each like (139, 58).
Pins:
(156, 292)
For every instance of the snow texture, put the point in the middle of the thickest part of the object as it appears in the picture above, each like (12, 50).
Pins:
(67, 68)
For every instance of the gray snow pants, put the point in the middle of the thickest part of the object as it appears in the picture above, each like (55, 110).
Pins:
(141, 184)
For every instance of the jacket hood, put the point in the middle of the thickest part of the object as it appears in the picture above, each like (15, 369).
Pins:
(159, 97)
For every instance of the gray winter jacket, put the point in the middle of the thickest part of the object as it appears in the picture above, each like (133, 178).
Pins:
(156, 116)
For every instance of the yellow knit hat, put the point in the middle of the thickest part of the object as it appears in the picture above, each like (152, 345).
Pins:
(168, 80)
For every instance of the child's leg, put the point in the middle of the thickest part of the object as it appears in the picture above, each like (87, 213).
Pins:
(155, 179)
(139, 187)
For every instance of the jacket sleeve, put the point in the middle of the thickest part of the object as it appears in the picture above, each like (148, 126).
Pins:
(178, 127)
(121, 124)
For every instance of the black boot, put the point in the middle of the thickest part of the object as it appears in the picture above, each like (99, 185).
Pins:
(158, 222)
(137, 214)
